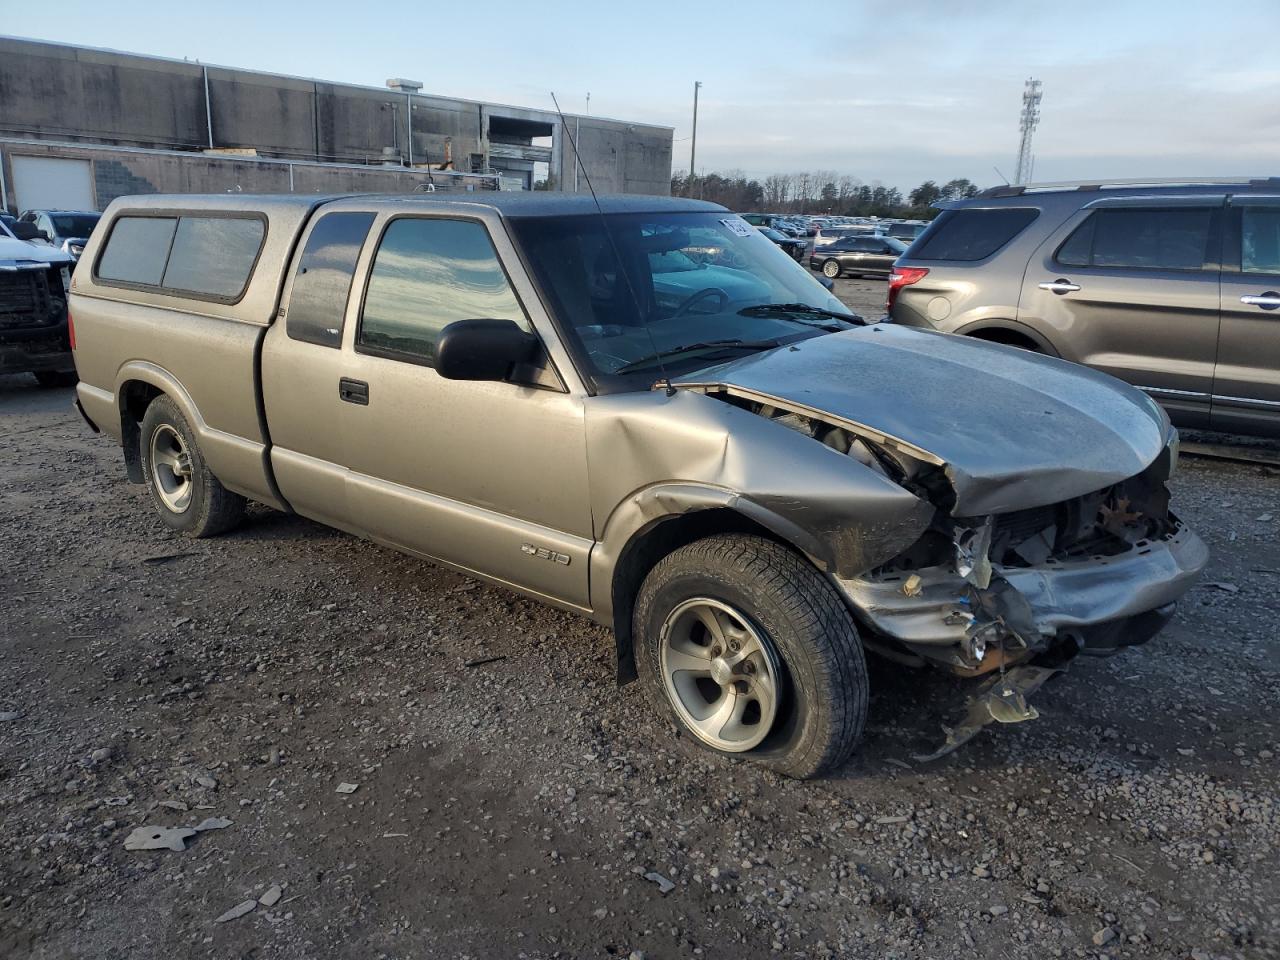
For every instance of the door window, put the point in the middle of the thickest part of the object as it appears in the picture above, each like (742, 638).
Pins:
(1260, 240)
(1141, 237)
(428, 273)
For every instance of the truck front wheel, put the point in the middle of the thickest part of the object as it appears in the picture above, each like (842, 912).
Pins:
(187, 496)
(750, 651)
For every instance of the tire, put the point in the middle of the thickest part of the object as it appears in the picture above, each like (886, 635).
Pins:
(831, 269)
(819, 687)
(187, 496)
(54, 379)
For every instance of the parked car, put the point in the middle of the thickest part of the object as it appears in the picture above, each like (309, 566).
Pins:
(793, 246)
(857, 256)
(745, 493)
(1172, 287)
(68, 230)
(33, 309)
(905, 231)
(825, 235)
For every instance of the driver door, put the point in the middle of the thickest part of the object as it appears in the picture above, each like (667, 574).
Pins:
(489, 477)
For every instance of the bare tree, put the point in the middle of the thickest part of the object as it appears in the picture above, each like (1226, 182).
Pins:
(777, 190)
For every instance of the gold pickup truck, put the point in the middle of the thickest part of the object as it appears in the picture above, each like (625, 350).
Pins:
(640, 409)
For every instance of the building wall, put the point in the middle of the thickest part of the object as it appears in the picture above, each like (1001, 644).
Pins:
(74, 94)
(118, 172)
(618, 157)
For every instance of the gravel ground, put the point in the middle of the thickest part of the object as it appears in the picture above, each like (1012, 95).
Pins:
(526, 807)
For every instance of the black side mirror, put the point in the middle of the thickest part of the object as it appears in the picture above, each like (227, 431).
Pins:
(482, 349)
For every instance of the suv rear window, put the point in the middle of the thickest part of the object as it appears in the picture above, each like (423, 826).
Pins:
(971, 234)
(1142, 237)
(202, 257)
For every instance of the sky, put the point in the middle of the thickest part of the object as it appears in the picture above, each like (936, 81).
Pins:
(888, 93)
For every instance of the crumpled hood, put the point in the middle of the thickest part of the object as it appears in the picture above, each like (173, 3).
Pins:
(16, 251)
(1013, 429)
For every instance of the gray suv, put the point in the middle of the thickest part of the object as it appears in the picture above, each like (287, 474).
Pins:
(1174, 288)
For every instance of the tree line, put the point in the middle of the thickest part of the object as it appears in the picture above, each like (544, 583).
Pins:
(818, 192)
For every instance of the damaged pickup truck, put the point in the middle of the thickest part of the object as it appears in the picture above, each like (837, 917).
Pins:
(645, 412)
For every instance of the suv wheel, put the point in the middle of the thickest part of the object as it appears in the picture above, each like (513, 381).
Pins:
(831, 269)
(187, 496)
(750, 651)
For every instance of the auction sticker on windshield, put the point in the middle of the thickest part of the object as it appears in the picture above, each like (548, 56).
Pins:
(738, 226)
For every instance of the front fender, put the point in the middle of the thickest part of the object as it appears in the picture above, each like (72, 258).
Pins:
(700, 454)
(654, 504)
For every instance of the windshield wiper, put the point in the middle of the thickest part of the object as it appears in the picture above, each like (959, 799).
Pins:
(736, 344)
(784, 309)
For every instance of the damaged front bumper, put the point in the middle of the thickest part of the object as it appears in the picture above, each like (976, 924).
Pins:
(932, 611)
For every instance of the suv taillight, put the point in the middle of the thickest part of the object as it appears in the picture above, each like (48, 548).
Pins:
(71, 330)
(903, 277)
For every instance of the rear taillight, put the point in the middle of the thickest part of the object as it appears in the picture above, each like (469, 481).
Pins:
(71, 330)
(903, 277)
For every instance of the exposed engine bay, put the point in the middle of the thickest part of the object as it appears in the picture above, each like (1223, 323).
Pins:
(1015, 594)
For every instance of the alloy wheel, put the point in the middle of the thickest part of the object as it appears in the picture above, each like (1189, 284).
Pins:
(721, 674)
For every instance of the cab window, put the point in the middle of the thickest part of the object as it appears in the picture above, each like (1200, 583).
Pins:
(323, 281)
(427, 273)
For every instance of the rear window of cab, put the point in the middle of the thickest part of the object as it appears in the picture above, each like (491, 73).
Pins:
(968, 235)
(196, 256)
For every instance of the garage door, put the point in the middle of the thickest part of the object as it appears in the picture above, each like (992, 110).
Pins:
(53, 183)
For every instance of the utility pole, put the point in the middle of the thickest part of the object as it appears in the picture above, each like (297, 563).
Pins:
(1030, 117)
(693, 147)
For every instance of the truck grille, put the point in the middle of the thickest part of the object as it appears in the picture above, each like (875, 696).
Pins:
(25, 299)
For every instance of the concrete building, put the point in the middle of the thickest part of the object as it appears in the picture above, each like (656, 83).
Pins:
(80, 127)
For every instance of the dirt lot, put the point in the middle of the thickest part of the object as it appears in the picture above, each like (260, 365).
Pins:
(522, 807)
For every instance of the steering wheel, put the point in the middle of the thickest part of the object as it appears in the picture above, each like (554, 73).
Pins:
(703, 294)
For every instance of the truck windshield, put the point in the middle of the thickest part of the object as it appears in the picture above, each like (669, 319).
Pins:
(671, 291)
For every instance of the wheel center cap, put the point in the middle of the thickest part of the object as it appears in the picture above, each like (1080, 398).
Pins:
(721, 672)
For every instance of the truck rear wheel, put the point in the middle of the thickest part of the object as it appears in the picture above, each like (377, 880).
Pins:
(187, 496)
(750, 651)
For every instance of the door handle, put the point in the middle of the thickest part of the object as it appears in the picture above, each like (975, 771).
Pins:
(353, 391)
(1060, 286)
(1267, 301)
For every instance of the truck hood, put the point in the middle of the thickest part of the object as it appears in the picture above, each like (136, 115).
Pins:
(1012, 429)
(15, 252)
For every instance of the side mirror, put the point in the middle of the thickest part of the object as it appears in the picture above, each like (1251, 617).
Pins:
(482, 349)
(827, 282)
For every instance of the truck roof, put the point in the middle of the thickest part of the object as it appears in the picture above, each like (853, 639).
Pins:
(537, 203)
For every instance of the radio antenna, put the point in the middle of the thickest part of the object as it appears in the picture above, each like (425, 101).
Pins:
(617, 253)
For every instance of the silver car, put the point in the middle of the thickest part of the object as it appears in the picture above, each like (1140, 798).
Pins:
(645, 412)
